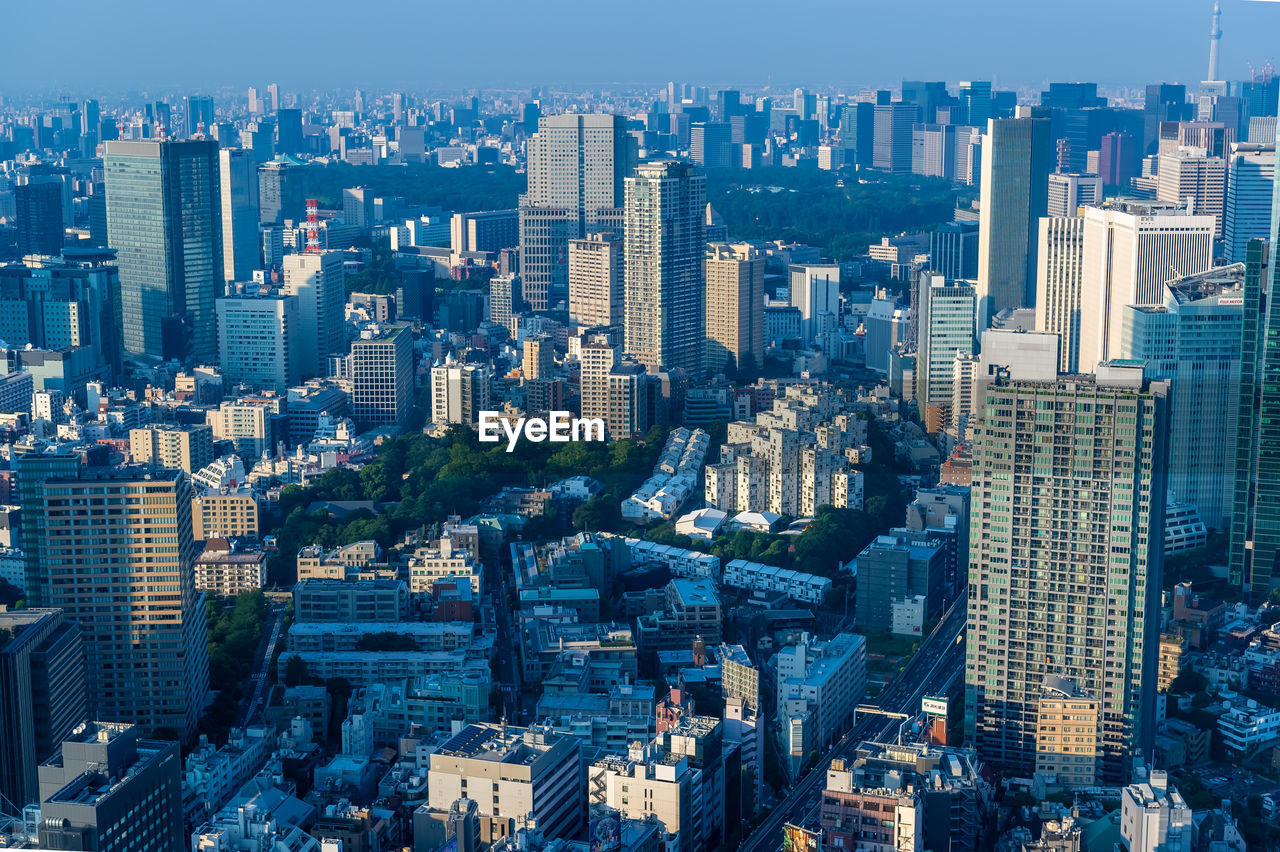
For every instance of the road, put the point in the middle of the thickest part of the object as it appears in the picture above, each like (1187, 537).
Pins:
(508, 673)
(254, 701)
(932, 671)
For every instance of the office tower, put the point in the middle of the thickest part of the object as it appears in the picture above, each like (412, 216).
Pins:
(1016, 161)
(709, 144)
(108, 788)
(953, 250)
(1192, 341)
(415, 297)
(1118, 159)
(1046, 596)
(947, 329)
(526, 773)
(968, 169)
(38, 206)
(319, 282)
(382, 376)
(484, 232)
(857, 133)
(1255, 498)
(1069, 192)
(163, 219)
(734, 309)
(1059, 278)
(1129, 251)
(537, 356)
(1164, 102)
(357, 207)
(815, 290)
(664, 299)
(42, 678)
(280, 192)
(459, 392)
(142, 619)
(241, 247)
(895, 570)
(1189, 175)
(255, 102)
(595, 280)
(31, 470)
(891, 137)
(577, 164)
(259, 341)
(506, 301)
(188, 448)
(197, 114)
(289, 131)
(1247, 216)
(933, 150)
(976, 98)
(273, 97)
(887, 324)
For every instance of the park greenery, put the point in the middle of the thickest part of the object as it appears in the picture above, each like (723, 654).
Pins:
(235, 630)
(837, 212)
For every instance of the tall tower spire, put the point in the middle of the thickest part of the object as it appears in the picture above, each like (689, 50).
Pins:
(1215, 36)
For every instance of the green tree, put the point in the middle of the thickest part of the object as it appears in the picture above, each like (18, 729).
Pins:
(295, 671)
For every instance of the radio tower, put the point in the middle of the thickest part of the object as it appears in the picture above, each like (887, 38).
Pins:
(1215, 36)
(312, 227)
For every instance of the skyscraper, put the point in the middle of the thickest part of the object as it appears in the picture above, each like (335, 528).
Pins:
(163, 219)
(126, 574)
(241, 244)
(197, 115)
(709, 144)
(1250, 177)
(1068, 476)
(39, 211)
(259, 341)
(1189, 175)
(595, 280)
(735, 309)
(577, 164)
(1017, 157)
(1059, 260)
(280, 192)
(948, 327)
(891, 137)
(815, 290)
(382, 377)
(459, 392)
(662, 266)
(318, 280)
(953, 250)
(1164, 102)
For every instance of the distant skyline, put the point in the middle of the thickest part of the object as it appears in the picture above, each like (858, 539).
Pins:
(81, 47)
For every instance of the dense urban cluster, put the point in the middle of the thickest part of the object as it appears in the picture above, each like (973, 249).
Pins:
(641, 470)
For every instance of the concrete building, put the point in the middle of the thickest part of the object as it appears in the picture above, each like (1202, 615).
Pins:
(891, 570)
(259, 341)
(512, 774)
(42, 676)
(353, 601)
(185, 448)
(241, 242)
(948, 317)
(650, 782)
(1247, 213)
(382, 376)
(506, 302)
(872, 818)
(490, 231)
(1188, 174)
(1068, 732)
(819, 683)
(280, 192)
(1059, 283)
(459, 392)
(595, 280)
(1069, 192)
(1129, 250)
(107, 788)
(229, 514)
(665, 292)
(1105, 419)
(734, 308)
(1017, 157)
(953, 250)
(246, 422)
(227, 568)
(893, 124)
(1154, 817)
(318, 281)
(576, 167)
(537, 356)
(815, 290)
(797, 585)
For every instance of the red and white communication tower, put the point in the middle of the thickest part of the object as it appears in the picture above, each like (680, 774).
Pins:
(312, 227)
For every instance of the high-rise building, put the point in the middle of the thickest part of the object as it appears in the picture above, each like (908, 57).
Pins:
(165, 445)
(108, 788)
(163, 219)
(357, 207)
(815, 290)
(595, 280)
(42, 677)
(241, 243)
(38, 206)
(933, 150)
(662, 266)
(1047, 592)
(1060, 258)
(197, 115)
(857, 133)
(947, 327)
(891, 137)
(1250, 178)
(1192, 340)
(259, 340)
(319, 282)
(142, 619)
(459, 392)
(490, 231)
(648, 781)
(537, 356)
(1129, 252)
(1069, 192)
(1164, 102)
(600, 353)
(1118, 159)
(1017, 157)
(280, 192)
(953, 250)
(1188, 175)
(506, 301)
(710, 143)
(289, 131)
(577, 164)
(734, 309)
(382, 376)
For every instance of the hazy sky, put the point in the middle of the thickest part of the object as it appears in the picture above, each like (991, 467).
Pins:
(75, 47)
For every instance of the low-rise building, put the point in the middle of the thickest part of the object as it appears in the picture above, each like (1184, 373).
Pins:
(819, 686)
(1067, 725)
(440, 560)
(1247, 726)
(756, 576)
(691, 610)
(229, 567)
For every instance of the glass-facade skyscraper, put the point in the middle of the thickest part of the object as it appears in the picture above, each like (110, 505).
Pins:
(164, 221)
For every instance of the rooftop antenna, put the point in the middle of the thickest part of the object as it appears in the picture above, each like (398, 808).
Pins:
(313, 227)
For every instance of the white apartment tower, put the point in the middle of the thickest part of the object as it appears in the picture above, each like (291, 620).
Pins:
(595, 280)
(319, 282)
(1059, 264)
